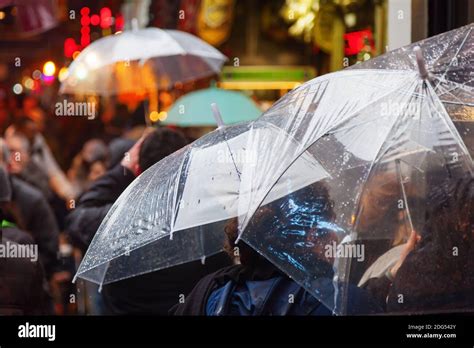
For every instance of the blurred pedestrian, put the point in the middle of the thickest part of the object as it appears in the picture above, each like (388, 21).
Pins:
(22, 282)
(33, 214)
(40, 154)
(88, 165)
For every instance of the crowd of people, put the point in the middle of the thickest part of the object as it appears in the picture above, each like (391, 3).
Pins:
(60, 211)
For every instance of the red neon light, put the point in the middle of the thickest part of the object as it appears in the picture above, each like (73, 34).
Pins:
(70, 47)
(356, 41)
(105, 17)
(85, 11)
(119, 22)
(95, 19)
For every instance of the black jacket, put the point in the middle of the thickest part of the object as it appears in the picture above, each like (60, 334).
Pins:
(37, 218)
(156, 292)
(22, 282)
(84, 220)
(152, 293)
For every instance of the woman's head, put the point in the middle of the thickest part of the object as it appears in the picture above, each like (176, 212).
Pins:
(380, 194)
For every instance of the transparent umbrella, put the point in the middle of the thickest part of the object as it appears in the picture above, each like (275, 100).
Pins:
(344, 165)
(141, 60)
(192, 109)
(383, 133)
(175, 211)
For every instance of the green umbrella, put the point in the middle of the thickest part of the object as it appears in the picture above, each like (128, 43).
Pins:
(194, 109)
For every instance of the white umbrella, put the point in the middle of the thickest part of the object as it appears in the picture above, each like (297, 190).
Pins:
(146, 59)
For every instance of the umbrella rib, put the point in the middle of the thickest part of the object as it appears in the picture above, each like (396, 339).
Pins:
(175, 196)
(453, 132)
(445, 91)
(455, 55)
(404, 194)
(378, 155)
(457, 85)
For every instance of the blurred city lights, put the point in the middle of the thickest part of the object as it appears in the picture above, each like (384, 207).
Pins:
(85, 21)
(158, 116)
(85, 40)
(162, 115)
(28, 83)
(105, 17)
(63, 73)
(95, 19)
(48, 79)
(75, 54)
(36, 74)
(69, 47)
(85, 11)
(119, 22)
(154, 116)
(17, 88)
(49, 68)
(2, 15)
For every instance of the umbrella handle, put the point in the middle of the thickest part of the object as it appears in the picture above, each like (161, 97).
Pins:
(420, 61)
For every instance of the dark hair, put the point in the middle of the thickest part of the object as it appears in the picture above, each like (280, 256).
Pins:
(157, 145)
(432, 277)
(23, 121)
(450, 218)
(247, 255)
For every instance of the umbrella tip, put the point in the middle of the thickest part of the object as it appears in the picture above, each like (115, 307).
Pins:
(74, 279)
(217, 115)
(420, 61)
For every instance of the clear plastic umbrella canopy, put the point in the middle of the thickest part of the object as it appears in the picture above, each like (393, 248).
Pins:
(331, 185)
(176, 210)
(141, 60)
(384, 135)
(450, 61)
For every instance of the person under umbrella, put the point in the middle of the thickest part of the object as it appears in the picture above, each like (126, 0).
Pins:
(345, 130)
(153, 293)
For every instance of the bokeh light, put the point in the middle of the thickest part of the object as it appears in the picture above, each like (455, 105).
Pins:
(49, 68)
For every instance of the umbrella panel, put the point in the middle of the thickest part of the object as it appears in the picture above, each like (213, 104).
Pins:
(369, 203)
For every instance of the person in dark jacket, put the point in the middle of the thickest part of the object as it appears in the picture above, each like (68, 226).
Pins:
(33, 214)
(251, 288)
(152, 293)
(293, 230)
(37, 218)
(22, 282)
